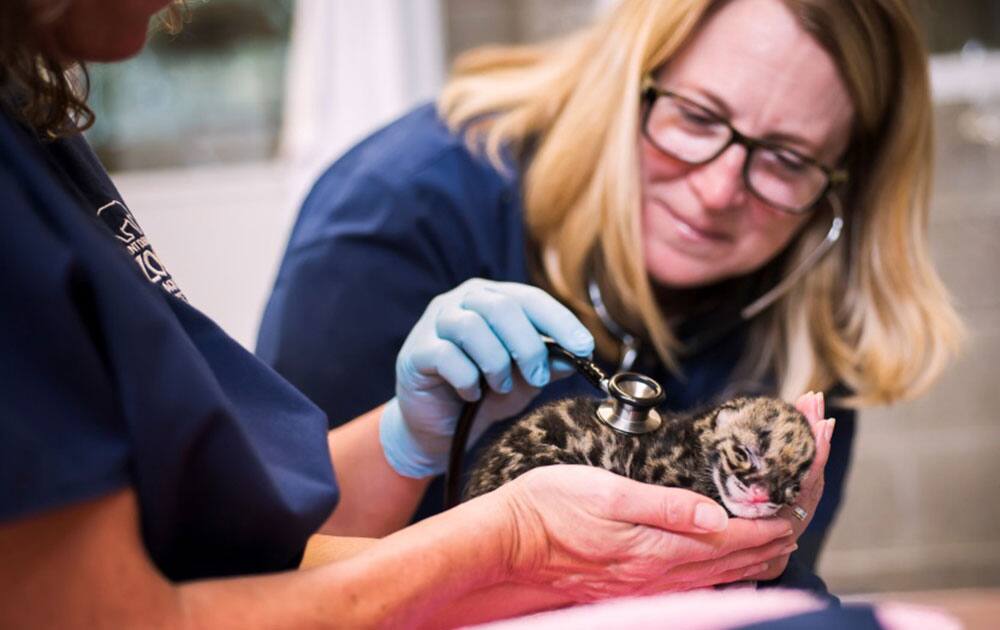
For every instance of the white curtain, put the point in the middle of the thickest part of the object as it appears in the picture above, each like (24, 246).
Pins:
(352, 67)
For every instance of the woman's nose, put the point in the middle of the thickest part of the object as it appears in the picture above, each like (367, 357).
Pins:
(719, 184)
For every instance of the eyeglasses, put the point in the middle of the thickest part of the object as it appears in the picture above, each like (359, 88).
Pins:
(689, 132)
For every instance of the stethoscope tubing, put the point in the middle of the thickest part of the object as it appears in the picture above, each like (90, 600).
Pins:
(463, 427)
(631, 344)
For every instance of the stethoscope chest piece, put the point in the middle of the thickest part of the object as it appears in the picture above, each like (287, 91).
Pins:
(632, 402)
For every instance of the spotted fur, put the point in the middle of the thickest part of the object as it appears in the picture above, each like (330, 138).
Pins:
(761, 444)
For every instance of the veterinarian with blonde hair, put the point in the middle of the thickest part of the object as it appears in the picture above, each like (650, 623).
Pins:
(731, 195)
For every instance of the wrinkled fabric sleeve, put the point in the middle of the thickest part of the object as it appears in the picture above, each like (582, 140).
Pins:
(366, 257)
(62, 438)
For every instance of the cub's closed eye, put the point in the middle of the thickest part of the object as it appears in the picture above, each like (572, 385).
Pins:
(742, 454)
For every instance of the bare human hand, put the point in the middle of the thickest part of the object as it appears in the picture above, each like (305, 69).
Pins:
(812, 406)
(589, 534)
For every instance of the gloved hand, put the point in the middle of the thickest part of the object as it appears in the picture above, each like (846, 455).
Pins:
(484, 327)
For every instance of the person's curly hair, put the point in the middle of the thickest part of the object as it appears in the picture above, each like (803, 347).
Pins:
(51, 93)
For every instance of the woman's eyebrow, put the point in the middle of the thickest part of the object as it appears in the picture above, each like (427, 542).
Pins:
(784, 138)
(794, 142)
(719, 105)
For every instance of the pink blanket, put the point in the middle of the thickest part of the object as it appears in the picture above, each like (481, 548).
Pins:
(711, 610)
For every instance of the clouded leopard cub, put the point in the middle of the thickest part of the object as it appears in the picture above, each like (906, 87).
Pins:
(749, 454)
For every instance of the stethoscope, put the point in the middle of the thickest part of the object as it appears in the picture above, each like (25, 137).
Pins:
(632, 398)
(631, 344)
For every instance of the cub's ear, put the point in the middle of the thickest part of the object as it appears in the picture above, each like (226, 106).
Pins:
(725, 416)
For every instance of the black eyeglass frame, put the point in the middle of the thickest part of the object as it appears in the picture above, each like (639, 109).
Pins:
(834, 176)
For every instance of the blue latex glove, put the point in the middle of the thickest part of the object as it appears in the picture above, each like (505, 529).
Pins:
(487, 327)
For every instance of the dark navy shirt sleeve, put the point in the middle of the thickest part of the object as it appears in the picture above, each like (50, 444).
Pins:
(61, 435)
(406, 215)
(110, 380)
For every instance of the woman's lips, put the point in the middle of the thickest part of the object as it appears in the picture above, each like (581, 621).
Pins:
(692, 232)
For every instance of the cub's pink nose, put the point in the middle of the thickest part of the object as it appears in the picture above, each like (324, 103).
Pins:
(758, 494)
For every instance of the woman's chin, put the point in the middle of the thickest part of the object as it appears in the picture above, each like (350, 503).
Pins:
(671, 267)
(681, 274)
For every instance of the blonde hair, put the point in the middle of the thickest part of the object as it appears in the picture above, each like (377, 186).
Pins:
(872, 315)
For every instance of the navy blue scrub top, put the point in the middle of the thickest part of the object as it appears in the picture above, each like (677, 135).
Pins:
(410, 213)
(111, 380)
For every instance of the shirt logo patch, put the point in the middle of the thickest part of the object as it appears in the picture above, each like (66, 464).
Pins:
(117, 217)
